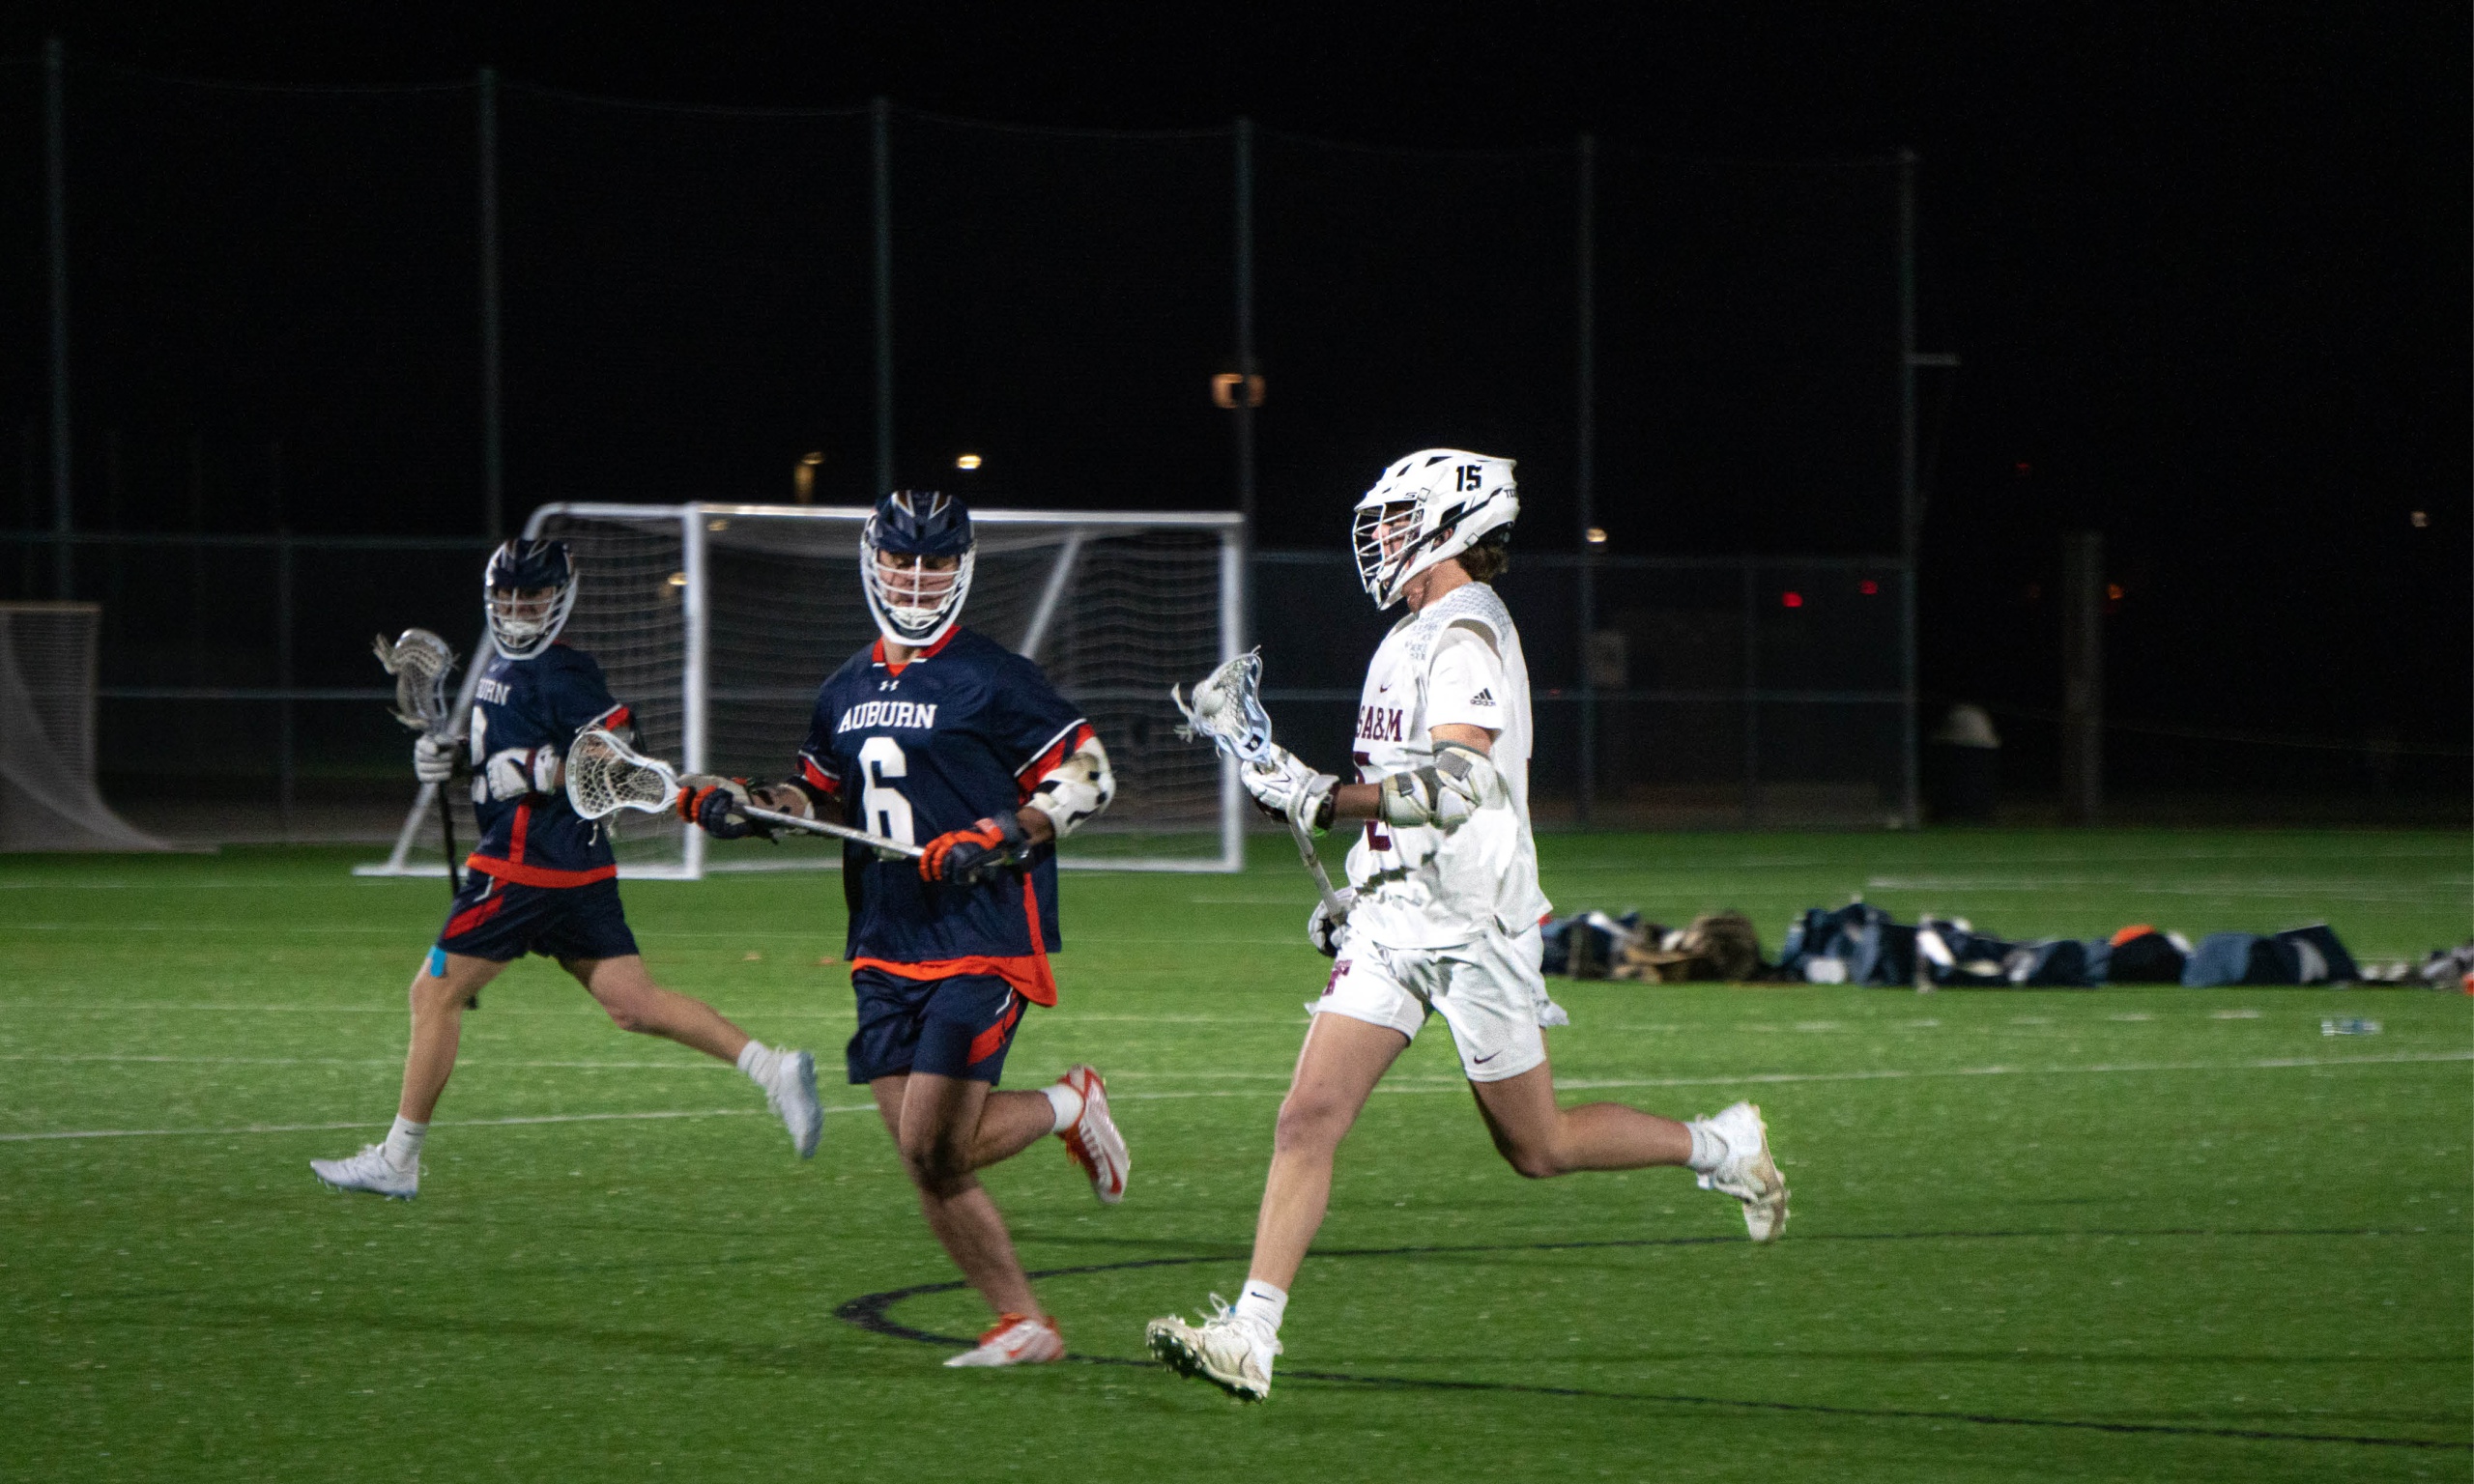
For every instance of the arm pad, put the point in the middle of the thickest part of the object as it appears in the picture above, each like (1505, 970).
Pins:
(1444, 793)
(1077, 788)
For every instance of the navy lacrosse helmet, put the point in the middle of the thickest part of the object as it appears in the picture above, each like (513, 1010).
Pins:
(916, 602)
(523, 628)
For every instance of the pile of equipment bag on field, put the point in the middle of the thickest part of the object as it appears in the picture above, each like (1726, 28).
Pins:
(1859, 944)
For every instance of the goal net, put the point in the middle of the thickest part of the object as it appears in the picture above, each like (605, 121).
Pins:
(716, 623)
(47, 796)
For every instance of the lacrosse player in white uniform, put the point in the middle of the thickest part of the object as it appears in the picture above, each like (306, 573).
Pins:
(1442, 912)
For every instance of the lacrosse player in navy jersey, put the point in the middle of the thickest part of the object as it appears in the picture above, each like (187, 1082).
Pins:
(938, 736)
(542, 879)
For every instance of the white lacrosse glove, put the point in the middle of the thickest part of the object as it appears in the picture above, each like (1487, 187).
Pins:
(1284, 788)
(521, 770)
(1444, 793)
(1323, 930)
(433, 759)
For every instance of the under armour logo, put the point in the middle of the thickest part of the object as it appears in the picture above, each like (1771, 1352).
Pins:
(1485, 697)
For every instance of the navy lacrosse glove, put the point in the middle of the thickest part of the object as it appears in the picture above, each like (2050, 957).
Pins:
(713, 808)
(968, 857)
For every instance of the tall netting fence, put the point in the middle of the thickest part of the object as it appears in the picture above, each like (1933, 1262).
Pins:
(1714, 691)
(317, 339)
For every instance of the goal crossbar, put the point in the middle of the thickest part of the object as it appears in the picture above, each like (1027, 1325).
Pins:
(722, 667)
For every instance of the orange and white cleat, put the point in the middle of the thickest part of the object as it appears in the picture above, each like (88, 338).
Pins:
(1093, 1140)
(1015, 1339)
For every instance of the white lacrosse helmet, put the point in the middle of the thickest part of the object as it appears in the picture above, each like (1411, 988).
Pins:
(1429, 507)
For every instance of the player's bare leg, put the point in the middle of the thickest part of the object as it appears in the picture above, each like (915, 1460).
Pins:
(1539, 1139)
(945, 1128)
(1336, 1070)
(625, 988)
(622, 986)
(392, 1168)
(438, 1026)
(1729, 1151)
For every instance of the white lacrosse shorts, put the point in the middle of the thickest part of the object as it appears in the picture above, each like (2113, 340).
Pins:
(1490, 992)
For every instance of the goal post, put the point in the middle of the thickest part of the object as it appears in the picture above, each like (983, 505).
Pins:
(717, 622)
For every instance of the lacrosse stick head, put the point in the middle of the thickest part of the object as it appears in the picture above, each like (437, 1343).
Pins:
(605, 775)
(420, 661)
(1227, 709)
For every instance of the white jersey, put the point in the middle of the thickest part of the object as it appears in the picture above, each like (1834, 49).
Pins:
(1458, 660)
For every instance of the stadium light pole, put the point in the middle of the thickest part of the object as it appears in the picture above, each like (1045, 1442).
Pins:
(881, 202)
(55, 129)
(1585, 456)
(493, 429)
(1242, 265)
(1911, 489)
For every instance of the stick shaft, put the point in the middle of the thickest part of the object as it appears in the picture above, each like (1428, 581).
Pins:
(838, 831)
(447, 829)
(1313, 862)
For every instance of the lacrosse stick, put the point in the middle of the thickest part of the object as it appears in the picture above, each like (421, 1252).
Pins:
(1227, 711)
(605, 775)
(420, 661)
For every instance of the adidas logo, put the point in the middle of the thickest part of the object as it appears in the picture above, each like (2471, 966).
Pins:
(1485, 697)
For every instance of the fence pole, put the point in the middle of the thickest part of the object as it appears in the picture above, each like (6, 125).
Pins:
(55, 129)
(1751, 695)
(1243, 249)
(2083, 676)
(880, 179)
(1585, 458)
(1910, 506)
(286, 607)
(493, 428)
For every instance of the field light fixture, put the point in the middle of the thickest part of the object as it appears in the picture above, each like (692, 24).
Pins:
(968, 461)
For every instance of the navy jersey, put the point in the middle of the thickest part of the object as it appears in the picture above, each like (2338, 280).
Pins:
(962, 732)
(539, 839)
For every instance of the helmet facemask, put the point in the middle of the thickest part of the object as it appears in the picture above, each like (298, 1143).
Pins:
(915, 558)
(527, 591)
(914, 598)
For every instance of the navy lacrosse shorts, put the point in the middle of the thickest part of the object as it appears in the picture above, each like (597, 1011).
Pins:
(957, 1027)
(502, 921)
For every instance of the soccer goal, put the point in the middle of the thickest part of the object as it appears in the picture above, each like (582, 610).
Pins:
(47, 795)
(718, 622)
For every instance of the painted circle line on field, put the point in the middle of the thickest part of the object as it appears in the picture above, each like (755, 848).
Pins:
(873, 1312)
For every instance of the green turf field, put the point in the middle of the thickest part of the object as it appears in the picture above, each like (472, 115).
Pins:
(2121, 1234)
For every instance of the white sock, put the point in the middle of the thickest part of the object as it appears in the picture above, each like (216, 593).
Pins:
(1066, 1102)
(756, 1059)
(403, 1144)
(1707, 1149)
(1262, 1303)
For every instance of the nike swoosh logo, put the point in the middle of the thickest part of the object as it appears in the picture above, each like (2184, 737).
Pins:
(1483, 1060)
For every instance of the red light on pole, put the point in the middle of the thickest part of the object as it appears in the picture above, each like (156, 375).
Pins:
(1868, 588)
(1790, 600)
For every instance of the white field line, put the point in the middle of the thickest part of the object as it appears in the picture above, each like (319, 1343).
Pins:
(468, 1122)
(1402, 1087)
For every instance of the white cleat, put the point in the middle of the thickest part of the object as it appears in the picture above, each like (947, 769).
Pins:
(1747, 1172)
(1235, 1354)
(1093, 1139)
(1015, 1339)
(791, 1091)
(372, 1171)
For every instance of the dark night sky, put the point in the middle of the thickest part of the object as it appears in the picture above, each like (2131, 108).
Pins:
(2207, 266)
